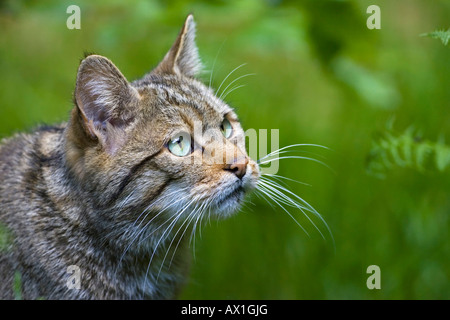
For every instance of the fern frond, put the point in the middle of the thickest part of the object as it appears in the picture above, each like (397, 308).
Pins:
(443, 35)
(407, 150)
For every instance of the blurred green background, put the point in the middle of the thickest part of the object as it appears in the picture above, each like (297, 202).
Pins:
(379, 99)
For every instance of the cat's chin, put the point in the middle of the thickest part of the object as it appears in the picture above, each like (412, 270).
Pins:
(229, 203)
(226, 211)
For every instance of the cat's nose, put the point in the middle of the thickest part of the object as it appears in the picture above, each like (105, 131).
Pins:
(238, 167)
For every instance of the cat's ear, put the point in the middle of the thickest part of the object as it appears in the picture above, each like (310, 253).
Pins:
(106, 101)
(183, 57)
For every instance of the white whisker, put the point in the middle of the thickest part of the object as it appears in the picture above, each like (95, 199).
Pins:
(282, 196)
(205, 206)
(275, 185)
(290, 202)
(168, 230)
(292, 146)
(290, 157)
(147, 212)
(278, 177)
(188, 220)
(232, 89)
(153, 203)
(264, 192)
(229, 74)
(214, 63)
(197, 213)
(141, 230)
(243, 76)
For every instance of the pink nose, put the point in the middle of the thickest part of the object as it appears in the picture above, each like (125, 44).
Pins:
(238, 167)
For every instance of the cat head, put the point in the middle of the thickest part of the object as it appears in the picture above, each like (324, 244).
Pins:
(164, 142)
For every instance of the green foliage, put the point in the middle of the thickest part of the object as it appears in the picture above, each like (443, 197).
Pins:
(17, 286)
(407, 150)
(443, 35)
(321, 77)
(5, 238)
(376, 89)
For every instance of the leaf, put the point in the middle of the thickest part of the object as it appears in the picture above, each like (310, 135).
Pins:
(422, 152)
(407, 150)
(17, 286)
(442, 156)
(5, 238)
(443, 35)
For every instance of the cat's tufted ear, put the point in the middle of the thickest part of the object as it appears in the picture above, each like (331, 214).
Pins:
(106, 101)
(183, 57)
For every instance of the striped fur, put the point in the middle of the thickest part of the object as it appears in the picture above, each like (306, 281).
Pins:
(104, 193)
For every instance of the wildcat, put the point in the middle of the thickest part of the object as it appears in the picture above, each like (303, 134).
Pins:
(114, 190)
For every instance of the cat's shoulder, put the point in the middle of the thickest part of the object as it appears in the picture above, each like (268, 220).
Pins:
(44, 137)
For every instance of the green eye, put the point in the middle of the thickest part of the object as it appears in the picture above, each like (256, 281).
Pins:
(180, 145)
(227, 129)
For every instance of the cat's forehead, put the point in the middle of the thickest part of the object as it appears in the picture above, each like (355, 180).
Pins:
(186, 96)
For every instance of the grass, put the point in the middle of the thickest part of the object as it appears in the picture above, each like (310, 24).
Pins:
(321, 77)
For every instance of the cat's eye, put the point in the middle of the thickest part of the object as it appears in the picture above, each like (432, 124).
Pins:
(180, 144)
(226, 128)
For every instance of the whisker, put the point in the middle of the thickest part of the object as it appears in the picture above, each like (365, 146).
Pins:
(168, 229)
(232, 89)
(229, 74)
(283, 197)
(153, 203)
(292, 146)
(214, 63)
(199, 213)
(277, 186)
(202, 212)
(290, 202)
(278, 177)
(258, 193)
(264, 192)
(144, 228)
(174, 214)
(276, 153)
(147, 212)
(243, 76)
(308, 206)
(125, 201)
(189, 218)
(295, 157)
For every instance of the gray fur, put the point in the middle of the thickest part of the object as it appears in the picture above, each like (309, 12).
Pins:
(102, 192)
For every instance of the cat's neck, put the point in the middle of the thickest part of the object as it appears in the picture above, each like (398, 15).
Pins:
(148, 253)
